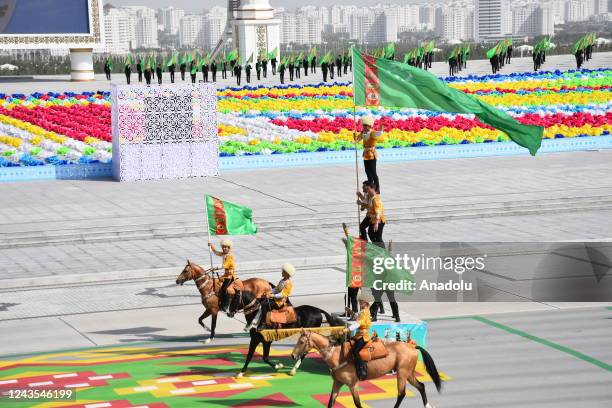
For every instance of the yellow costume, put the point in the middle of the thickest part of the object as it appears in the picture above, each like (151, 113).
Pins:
(362, 325)
(282, 291)
(229, 266)
(376, 210)
(369, 144)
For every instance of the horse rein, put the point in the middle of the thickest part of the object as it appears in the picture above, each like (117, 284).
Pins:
(325, 352)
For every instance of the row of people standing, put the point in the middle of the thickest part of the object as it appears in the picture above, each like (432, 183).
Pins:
(263, 67)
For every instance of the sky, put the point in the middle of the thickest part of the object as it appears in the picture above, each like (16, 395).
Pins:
(196, 5)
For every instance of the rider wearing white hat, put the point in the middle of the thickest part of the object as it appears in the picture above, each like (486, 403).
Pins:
(362, 331)
(369, 138)
(284, 288)
(228, 266)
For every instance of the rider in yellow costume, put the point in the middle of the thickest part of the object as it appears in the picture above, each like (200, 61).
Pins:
(229, 268)
(361, 326)
(281, 292)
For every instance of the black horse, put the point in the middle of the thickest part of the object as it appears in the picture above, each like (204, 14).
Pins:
(307, 316)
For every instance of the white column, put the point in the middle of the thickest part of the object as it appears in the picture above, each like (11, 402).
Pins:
(81, 64)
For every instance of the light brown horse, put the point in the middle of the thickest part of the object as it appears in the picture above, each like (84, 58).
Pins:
(402, 358)
(209, 287)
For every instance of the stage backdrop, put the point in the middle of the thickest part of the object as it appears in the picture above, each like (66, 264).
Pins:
(164, 132)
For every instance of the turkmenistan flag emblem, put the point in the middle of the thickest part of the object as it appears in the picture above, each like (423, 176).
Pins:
(365, 265)
(225, 218)
(381, 82)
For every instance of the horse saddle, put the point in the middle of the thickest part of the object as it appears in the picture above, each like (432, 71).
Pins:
(373, 350)
(236, 286)
(286, 315)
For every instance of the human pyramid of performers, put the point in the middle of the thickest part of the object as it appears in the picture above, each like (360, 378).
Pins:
(347, 345)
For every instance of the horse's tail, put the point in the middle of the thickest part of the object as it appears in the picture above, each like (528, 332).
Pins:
(430, 366)
(332, 319)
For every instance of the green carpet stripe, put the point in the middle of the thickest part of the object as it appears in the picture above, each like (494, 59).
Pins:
(545, 342)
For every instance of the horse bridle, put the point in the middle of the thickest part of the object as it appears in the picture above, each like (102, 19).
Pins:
(325, 351)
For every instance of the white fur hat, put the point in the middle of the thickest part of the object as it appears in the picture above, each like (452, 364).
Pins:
(288, 268)
(367, 120)
(365, 296)
(226, 242)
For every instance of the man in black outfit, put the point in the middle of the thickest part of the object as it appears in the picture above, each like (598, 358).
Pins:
(339, 65)
(291, 69)
(171, 68)
(305, 66)
(264, 65)
(224, 70)
(313, 64)
(324, 69)
(193, 72)
(237, 73)
(107, 70)
(247, 70)
(273, 63)
(258, 69)
(213, 70)
(205, 71)
(147, 74)
(158, 72)
(128, 73)
(281, 72)
(139, 70)
(183, 68)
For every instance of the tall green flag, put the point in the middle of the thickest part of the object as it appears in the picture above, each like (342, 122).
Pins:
(368, 265)
(225, 218)
(272, 54)
(389, 50)
(380, 82)
(232, 55)
(492, 52)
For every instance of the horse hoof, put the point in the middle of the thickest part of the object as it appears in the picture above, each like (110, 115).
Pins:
(208, 340)
(429, 405)
(292, 372)
(279, 366)
(240, 375)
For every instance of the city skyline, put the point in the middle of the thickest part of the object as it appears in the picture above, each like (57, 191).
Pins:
(135, 26)
(191, 6)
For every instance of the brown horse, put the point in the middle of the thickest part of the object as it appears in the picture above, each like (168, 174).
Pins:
(209, 287)
(402, 358)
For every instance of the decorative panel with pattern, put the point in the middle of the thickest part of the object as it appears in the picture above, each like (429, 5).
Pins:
(167, 131)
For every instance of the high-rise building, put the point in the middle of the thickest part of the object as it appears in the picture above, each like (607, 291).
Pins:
(490, 20)
(118, 32)
(288, 24)
(145, 23)
(457, 22)
(532, 18)
(191, 31)
(169, 18)
(214, 26)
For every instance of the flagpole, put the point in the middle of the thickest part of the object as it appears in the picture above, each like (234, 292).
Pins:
(208, 231)
(355, 141)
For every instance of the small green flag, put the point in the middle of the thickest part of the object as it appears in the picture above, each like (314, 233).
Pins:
(393, 84)
(368, 265)
(225, 218)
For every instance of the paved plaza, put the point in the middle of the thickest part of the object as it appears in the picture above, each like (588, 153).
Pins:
(88, 269)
